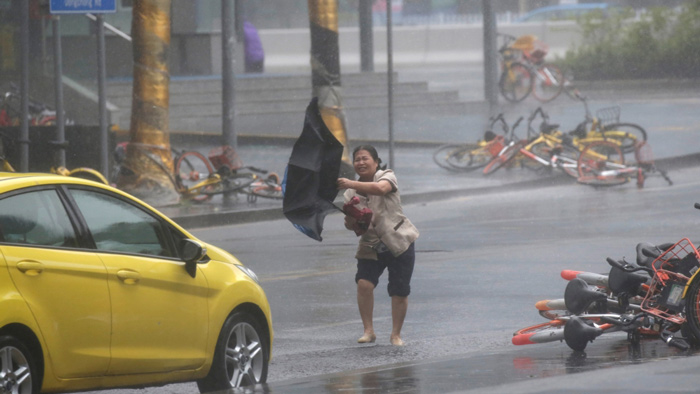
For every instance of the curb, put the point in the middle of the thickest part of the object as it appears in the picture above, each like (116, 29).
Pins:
(258, 215)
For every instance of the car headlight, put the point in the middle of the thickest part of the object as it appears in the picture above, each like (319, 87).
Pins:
(249, 272)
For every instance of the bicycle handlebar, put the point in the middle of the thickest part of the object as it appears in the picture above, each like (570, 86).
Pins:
(499, 118)
(256, 169)
(531, 118)
(621, 264)
(520, 119)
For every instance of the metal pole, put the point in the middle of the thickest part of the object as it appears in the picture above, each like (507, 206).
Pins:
(366, 36)
(58, 77)
(390, 81)
(228, 41)
(102, 101)
(490, 62)
(24, 88)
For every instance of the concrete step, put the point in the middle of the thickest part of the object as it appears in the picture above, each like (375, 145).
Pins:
(214, 97)
(365, 123)
(254, 83)
(274, 102)
(275, 106)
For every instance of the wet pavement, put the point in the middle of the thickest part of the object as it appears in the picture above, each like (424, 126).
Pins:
(613, 365)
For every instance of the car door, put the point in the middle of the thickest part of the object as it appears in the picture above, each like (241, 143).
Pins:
(64, 285)
(159, 312)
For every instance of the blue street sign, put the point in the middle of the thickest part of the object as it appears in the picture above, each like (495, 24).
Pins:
(82, 6)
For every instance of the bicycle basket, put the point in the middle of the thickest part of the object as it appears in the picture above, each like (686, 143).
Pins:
(608, 115)
(672, 270)
(495, 146)
(225, 156)
(642, 153)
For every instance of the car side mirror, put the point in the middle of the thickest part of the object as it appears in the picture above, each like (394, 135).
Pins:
(191, 252)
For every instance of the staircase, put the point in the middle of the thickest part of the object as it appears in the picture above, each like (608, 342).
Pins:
(274, 105)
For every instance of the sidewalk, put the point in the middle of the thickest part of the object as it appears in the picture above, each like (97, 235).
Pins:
(419, 177)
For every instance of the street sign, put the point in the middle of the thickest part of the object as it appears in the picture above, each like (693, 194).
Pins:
(82, 6)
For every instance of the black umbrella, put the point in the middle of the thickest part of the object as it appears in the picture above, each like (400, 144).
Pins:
(309, 184)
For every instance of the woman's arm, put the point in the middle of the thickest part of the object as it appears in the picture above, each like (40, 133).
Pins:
(379, 188)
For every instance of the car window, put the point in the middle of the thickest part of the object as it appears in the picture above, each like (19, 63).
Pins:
(118, 226)
(36, 218)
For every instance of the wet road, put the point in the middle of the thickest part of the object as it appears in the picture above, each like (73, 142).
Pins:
(482, 263)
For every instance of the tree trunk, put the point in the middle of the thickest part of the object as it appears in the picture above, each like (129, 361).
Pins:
(325, 69)
(147, 171)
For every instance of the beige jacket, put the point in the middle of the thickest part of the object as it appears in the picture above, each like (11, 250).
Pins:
(389, 225)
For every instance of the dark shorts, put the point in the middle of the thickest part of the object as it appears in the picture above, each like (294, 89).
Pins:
(400, 271)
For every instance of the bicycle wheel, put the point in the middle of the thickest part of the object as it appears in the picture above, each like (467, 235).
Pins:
(191, 168)
(628, 134)
(233, 183)
(568, 161)
(268, 191)
(548, 82)
(506, 155)
(692, 309)
(461, 157)
(602, 163)
(540, 149)
(550, 331)
(268, 188)
(516, 82)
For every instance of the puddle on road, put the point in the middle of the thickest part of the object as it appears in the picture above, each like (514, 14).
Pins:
(476, 371)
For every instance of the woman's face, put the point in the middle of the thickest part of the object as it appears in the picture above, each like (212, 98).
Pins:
(365, 165)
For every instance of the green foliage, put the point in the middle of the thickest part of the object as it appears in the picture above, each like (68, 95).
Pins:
(663, 43)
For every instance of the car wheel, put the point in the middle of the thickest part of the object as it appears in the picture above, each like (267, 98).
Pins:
(18, 373)
(241, 356)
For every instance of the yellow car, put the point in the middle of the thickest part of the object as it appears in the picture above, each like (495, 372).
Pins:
(100, 290)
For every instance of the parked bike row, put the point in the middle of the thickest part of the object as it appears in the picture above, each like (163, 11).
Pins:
(600, 151)
(40, 114)
(658, 295)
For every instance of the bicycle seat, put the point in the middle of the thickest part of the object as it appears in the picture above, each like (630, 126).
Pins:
(578, 296)
(647, 253)
(620, 281)
(578, 332)
(547, 128)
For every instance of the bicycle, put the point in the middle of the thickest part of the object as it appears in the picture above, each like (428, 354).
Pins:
(603, 164)
(544, 150)
(665, 300)
(199, 178)
(472, 156)
(606, 125)
(40, 114)
(524, 70)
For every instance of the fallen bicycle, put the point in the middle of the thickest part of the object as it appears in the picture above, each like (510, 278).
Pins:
(657, 296)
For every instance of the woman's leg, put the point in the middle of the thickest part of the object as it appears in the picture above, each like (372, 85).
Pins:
(399, 306)
(400, 273)
(365, 302)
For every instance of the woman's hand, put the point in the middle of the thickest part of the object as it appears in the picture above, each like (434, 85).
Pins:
(345, 183)
(349, 222)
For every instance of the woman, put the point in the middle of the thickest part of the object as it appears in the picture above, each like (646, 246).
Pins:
(387, 243)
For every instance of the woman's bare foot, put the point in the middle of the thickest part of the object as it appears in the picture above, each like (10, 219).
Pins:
(397, 341)
(367, 338)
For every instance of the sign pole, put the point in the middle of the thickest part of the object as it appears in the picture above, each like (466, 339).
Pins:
(99, 8)
(102, 101)
(390, 81)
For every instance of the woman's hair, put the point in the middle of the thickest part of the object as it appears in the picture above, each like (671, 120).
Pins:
(372, 152)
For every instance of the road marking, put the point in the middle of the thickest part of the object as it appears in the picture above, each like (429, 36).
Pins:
(294, 276)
